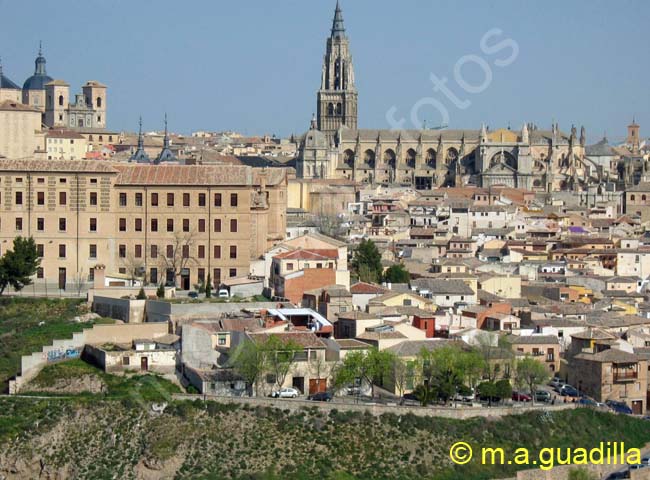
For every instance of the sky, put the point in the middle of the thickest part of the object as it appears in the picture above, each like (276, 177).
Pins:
(254, 66)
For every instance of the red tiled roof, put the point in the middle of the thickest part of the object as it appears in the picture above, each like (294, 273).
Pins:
(309, 254)
(363, 288)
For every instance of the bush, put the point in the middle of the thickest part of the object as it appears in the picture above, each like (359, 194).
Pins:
(160, 292)
(141, 294)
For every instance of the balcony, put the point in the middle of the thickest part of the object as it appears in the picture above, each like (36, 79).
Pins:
(625, 376)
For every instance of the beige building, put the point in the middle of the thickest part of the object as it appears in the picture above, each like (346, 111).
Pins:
(20, 130)
(172, 223)
(65, 145)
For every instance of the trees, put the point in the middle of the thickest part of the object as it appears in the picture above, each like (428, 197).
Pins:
(496, 353)
(134, 267)
(160, 291)
(402, 373)
(397, 274)
(208, 287)
(18, 265)
(503, 389)
(249, 361)
(531, 373)
(141, 294)
(372, 367)
(177, 255)
(280, 356)
(367, 262)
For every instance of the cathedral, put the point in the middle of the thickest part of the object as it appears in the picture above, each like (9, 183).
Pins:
(87, 112)
(335, 148)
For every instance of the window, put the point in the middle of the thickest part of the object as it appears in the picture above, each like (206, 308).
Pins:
(170, 224)
(186, 224)
(154, 199)
(217, 225)
(40, 273)
(138, 251)
(289, 266)
(233, 225)
(63, 198)
(201, 199)
(40, 249)
(170, 199)
(233, 251)
(138, 225)
(122, 251)
(201, 251)
(19, 224)
(233, 200)
(154, 251)
(126, 361)
(92, 251)
(170, 251)
(122, 199)
(93, 198)
(186, 199)
(217, 251)
(216, 276)
(19, 198)
(40, 224)
(153, 275)
(62, 224)
(122, 223)
(201, 225)
(138, 199)
(201, 275)
(40, 198)
(217, 199)
(93, 225)
(61, 251)
(185, 251)
(154, 224)
(63, 180)
(232, 272)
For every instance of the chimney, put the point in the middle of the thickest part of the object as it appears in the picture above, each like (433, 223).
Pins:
(99, 276)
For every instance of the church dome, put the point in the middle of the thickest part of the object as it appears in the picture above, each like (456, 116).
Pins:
(316, 139)
(7, 83)
(40, 77)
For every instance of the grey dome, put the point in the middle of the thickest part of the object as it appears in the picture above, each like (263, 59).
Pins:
(40, 77)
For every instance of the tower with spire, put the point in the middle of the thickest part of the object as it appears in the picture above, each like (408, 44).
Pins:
(140, 156)
(34, 86)
(166, 154)
(337, 97)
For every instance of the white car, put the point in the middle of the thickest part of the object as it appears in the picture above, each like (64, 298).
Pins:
(288, 392)
(223, 293)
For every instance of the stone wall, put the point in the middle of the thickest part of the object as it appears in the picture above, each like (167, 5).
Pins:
(129, 311)
(377, 409)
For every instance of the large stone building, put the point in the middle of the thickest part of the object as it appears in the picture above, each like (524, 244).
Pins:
(20, 131)
(174, 223)
(334, 147)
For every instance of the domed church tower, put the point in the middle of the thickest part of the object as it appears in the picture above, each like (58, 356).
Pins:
(34, 86)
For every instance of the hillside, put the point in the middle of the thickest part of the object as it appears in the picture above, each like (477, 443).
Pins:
(27, 324)
(87, 437)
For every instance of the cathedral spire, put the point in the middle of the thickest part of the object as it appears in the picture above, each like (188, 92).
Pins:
(140, 156)
(40, 61)
(338, 29)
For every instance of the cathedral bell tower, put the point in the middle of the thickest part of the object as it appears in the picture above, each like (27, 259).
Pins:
(337, 97)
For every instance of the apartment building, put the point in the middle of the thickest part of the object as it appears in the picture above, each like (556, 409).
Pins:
(163, 223)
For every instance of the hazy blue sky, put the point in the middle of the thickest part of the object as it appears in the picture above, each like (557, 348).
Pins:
(254, 65)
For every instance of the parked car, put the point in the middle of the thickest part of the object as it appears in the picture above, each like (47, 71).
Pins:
(223, 293)
(645, 460)
(569, 391)
(556, 383)
(353, 390)
(193, 295)
(619, 407)
(521, 397)
(590, 402)
(321, 397)
(618, 475)
(542, 396)
(637, 466)
(467, 396)
(288, 392)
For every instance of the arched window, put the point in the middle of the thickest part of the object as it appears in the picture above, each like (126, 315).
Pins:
(60, 100)
(632, 197)
(339, 109)
(99, 102)
(348, 158)
(369, 158)
(431, 158)
(389, 158)
(643, 197)
(410, 158)
(330, 109)
(452, 156)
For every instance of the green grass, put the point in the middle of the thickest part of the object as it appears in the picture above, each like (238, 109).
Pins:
(20, 333)
(149, 387)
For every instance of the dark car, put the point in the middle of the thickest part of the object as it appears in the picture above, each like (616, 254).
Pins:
(619, 407)
(569, 391)
(542, 396)
(321, 397)
(618, 475)
(193, 295)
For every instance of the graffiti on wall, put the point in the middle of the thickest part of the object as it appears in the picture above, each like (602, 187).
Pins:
(59, 354)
